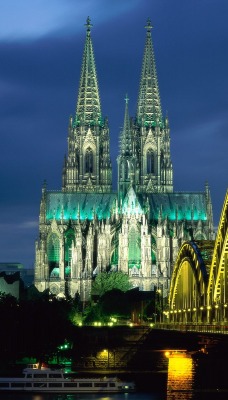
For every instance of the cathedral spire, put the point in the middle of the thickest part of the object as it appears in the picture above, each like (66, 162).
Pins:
(88, 110)
(88, 165)
(125, 138)
(149, 107)
(126, 160)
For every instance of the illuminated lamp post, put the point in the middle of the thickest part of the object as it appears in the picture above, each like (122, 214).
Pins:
(155, 317)
(201, 314)
(209, 314)
(107, 351)
(216, 313)
(224, 312)
(160, 301)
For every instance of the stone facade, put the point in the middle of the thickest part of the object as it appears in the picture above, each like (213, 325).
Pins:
(87, 228)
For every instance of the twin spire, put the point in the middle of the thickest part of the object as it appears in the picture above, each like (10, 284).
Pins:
(144, 157)
(149, 106)
(88, 110)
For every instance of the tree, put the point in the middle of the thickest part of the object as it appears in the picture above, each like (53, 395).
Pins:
(116, 302)
(106, 281)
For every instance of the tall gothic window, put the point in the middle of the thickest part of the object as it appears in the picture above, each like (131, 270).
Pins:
(126, 172)
(134, 248)
(53, 252)
(150, 162)
(89, 160)
(53, 248)
(69, 237)
(77, 158)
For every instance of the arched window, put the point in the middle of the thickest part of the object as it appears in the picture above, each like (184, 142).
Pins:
(77, 158)
(89, 160)
(69, 243)
(134, 248)
(53, 253)
(126, 172)
(53, 248)
(150, 162)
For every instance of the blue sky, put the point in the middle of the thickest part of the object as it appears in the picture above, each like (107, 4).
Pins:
(41, 46)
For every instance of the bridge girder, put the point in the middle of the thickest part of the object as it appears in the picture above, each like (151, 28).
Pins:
(217, 294)
(188, 287)
(199, 283)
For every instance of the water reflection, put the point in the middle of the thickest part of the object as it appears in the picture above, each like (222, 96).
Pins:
(180, 375)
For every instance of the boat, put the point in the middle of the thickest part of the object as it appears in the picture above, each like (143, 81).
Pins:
(38, 378)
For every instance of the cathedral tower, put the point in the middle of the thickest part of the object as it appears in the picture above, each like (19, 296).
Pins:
(88, 165)
(151, 130)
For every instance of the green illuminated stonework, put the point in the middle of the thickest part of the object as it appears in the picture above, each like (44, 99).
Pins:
(86, 227)
(75, 206)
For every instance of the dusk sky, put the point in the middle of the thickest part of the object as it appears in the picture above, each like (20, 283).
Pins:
(41, 47)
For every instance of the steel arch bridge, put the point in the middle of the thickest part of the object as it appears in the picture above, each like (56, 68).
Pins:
(199, 284)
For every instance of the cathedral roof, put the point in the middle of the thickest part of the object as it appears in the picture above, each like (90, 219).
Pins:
(61, 205)
(178, 205)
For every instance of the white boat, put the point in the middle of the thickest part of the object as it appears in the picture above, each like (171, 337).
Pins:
(38, 378)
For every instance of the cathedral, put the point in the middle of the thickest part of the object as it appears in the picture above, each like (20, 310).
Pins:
(86, 227)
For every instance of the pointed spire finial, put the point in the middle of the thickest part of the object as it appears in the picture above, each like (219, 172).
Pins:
(148, 25)
(88, 24)
(126, 99)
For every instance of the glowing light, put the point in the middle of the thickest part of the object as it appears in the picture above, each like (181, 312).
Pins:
(180, 372)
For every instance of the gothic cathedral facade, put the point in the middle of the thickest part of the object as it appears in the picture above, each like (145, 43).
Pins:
(87, 228)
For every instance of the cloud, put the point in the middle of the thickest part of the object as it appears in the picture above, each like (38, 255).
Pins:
(26, 19)
(12, 226)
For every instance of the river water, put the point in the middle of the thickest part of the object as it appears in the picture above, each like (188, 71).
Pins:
(185, 377)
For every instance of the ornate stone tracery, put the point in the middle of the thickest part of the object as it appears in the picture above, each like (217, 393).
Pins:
(87, 228)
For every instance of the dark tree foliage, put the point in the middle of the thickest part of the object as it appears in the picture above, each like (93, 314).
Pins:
(115, 302)
(32, 328)
(9, 313)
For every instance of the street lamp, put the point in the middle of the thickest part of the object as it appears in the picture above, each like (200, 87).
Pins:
(155, 317)
(107, 351)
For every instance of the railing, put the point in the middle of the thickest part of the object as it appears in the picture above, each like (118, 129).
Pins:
(205, 328)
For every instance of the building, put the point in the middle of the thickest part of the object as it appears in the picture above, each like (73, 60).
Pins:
(86, 227)
(14, 277)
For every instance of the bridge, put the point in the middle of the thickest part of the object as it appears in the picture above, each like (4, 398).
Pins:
(199, 286)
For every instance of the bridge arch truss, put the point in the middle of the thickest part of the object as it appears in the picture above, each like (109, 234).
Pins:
(217, 293)
(188, 290)
(199, 283)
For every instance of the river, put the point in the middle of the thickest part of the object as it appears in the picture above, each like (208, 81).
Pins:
(177, 375)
